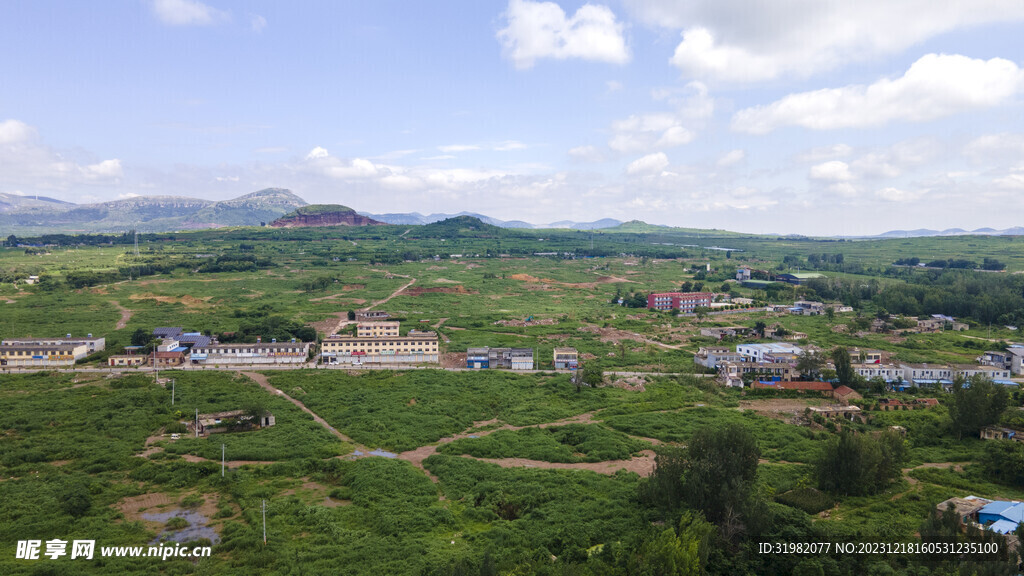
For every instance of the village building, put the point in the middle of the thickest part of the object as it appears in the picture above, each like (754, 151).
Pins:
(850, 413)
(799, 278)
(743, 274)
(859, 356)
(511, 358)
(994, 373)
(927, 375)
(1001, 433)
(566, 358)
(92, 344)
(888, 372)
(378, 329)
(773, 352)
(823, 388)
(416, 347)
(723, 332)
(131, 357)
(731, 373)
(807, 308)
(259, 352)
(713, 356)
(231, 421)
(966, 508)
(367, 315)
(845, 394)
(685, 302)
(41, 355)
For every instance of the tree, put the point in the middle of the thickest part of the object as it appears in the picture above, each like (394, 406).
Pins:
(141, 337)
(830, 314)
(844, 368)
(976, 403)
(720, 471)
(859, 464)
(592, 376)
(810, 364)
(759, 328)
(351, 315)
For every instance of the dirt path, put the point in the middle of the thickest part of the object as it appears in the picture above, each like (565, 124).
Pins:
(393, 294)
(126, 314)
(642, 464)
(262, 381)
(958, 466)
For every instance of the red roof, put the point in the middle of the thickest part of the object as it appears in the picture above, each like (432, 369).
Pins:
(844, 391)
(928, 401)
(787, 385)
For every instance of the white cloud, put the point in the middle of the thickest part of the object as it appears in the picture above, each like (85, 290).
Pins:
(675, 136)
(257, 23)
(441, 157)
(1002, 147)
(510, 145)
(739, 40)
(819, 153)
(586, 154)
(613, 85)
(317, 153)
(103, 170)
(833, 171)
(896, 195)
(1010, 182)
(187, 13)
(646, 165)
(458, 148)
(15, 132)
(698, 56)
(936, 85)
(539, 30)
(731, 157)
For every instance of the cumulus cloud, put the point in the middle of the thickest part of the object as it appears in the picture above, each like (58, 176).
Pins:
(187, 13)
(819, 153)
(257, 23)
(1001, 147)
(731, 157)
(834, 171)
(936, 85)
(586, 154)
(647, 165)
(26, 163)
(741, 41)
(15, 132)
(539, 30)
(897, 195)
(317, 153)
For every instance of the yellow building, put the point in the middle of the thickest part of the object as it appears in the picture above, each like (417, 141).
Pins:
(377, 329)
(566, 358)
(42, 354)
(127, 360)
(414, 348)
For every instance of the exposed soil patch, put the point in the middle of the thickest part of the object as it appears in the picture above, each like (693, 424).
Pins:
(126, 314)
(642, 464)
(133, 506)
(446, 281)
(460, 289)
(780, 408)
(189, 302)
(524, 323)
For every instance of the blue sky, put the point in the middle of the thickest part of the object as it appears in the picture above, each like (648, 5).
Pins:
(790, 116)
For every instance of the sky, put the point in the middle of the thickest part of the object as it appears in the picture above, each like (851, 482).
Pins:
(790, 116)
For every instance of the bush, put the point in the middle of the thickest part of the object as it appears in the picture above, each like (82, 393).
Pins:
(809, 500)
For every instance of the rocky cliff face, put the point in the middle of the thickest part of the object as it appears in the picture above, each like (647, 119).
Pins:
(323, 219)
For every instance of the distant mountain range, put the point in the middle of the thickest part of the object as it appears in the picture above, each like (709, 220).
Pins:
(415, 218)
(34, 215)
(921, 232)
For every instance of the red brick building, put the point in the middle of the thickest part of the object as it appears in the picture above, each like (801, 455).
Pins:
(682, 301)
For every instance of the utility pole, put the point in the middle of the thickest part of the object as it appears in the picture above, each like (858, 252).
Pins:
(264, 522)
(197, 423)
(172, 391)
(221, 460)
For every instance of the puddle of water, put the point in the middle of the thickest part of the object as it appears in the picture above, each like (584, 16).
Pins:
(473, 436)
(195, 530)
(379, 452)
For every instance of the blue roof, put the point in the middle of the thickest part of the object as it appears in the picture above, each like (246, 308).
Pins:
(924, 381)
(1003, 526)
(996, 507)
(180, 349)
(1006, 382)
